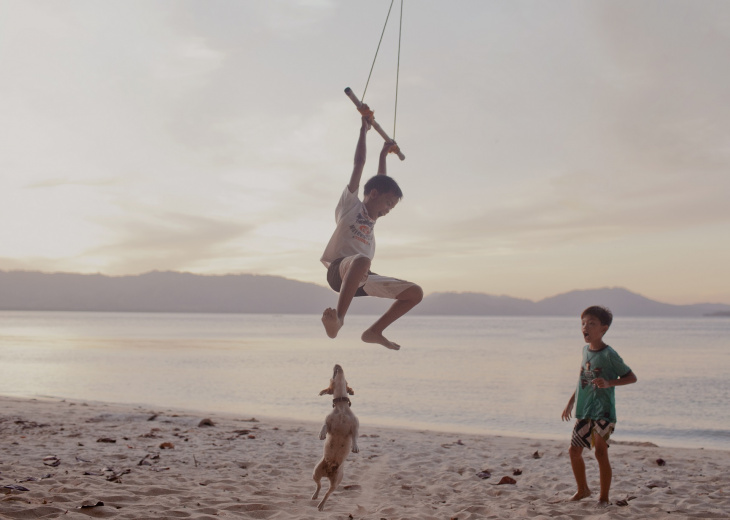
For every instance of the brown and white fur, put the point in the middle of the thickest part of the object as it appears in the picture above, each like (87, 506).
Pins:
(339, 432)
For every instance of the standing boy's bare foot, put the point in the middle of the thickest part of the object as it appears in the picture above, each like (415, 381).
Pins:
(332, 324)
(370, 336)
(580, 495)
(602, 504)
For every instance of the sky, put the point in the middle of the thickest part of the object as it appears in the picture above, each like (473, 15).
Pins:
(550, 146)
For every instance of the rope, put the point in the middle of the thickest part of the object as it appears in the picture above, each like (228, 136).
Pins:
(397, 71)
(376, 52)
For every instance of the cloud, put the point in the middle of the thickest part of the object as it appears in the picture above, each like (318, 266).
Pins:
(58, 182)
(571, 208)
(165, 241)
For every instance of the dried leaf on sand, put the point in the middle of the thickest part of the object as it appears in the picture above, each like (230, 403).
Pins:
(16, 487)
(51, 460)
(506, 480)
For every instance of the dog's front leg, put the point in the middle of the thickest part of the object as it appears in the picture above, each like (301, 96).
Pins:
(323, 432)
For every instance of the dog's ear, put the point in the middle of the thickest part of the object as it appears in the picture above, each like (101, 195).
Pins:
(330, 389)
(350, 390)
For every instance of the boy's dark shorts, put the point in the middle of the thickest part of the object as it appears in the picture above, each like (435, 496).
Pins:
(585, 429)
(335, 280)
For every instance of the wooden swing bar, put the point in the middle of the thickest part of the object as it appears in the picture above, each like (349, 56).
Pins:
(376, 126)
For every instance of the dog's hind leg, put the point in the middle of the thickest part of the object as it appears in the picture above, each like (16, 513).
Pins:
(316, 491)
(334, 482)
(355, 434)
(317, 477)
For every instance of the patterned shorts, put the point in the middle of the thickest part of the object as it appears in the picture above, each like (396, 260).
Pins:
(585, 429)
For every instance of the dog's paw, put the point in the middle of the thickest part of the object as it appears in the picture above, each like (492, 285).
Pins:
(355, 449)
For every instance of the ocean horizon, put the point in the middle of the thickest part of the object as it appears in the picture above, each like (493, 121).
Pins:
(507, 376)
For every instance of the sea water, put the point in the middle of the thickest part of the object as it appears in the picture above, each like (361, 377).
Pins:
(497, 375)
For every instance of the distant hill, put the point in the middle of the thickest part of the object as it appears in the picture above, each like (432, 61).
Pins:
(165, 291)
(621, 301)
(245, 293)
(479, 304)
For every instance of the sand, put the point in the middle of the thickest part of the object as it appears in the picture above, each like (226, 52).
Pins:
(79, 460)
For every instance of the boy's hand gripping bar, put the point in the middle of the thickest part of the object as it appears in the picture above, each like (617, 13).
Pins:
(376, 126)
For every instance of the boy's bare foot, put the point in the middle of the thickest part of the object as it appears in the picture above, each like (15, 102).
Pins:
(602, 504)
(332, 324)
(580, 495)
(370, 336)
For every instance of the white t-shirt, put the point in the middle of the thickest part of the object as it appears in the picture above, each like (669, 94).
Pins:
(354, 233)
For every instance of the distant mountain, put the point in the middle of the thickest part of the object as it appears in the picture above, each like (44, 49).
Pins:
(245, 293)
(620, 301)
(478, 304)
(166, 291)
(158, 292)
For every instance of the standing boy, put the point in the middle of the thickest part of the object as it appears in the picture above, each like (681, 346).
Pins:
(350, 251)
(595, 410)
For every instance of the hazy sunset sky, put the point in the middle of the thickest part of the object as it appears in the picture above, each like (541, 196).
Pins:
(550, 146)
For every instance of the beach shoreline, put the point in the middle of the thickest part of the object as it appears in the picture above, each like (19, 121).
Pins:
(147, 462)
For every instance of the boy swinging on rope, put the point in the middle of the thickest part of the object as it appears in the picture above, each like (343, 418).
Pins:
(350, 251)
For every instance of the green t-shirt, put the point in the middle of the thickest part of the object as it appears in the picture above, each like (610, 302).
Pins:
(592, 402)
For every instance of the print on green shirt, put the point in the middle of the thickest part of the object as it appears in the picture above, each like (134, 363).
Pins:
(598, 403)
